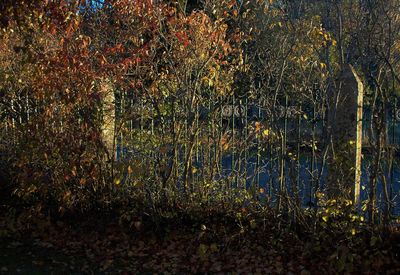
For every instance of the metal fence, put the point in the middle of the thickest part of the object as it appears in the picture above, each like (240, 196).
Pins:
(244, 142)
(248, 143)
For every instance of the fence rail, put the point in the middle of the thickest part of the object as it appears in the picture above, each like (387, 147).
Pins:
(248, 143)
(252, 144)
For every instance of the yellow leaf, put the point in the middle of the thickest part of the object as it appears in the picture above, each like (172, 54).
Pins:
(319, 194)
(266, 133)
(67, 194)
(325, 218)
(364, 207)
(348, 202)
(214, 247)
(331, 202)
(137, 225)
(74, 171)
(202, 250)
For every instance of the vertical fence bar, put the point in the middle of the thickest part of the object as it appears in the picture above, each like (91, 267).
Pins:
(313, 156)
(131, 126)
(233, 170)
(239, 149)
(220, 161)
(257, 170)
(13, 121)
(298, 179)
(246, 136)
(210, 137)
(197, 144)
(394, 149)
(27, 107)
(186, 137)
(282, 176)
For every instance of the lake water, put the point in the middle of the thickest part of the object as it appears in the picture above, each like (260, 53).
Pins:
(268, 178)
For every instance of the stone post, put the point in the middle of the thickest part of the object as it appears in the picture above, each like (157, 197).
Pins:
(108, 115)
(346, 126)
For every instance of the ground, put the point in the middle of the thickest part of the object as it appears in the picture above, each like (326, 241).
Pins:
(115, 251)
(102, 244)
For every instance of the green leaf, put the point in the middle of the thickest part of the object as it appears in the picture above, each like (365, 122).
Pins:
(253, 224)
(202, 250)
(341, 264)
(373, 241)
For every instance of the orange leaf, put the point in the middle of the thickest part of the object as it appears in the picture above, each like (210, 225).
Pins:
(258, 126)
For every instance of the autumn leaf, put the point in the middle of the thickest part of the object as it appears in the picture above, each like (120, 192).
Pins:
(257, 126)
(130, 170)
